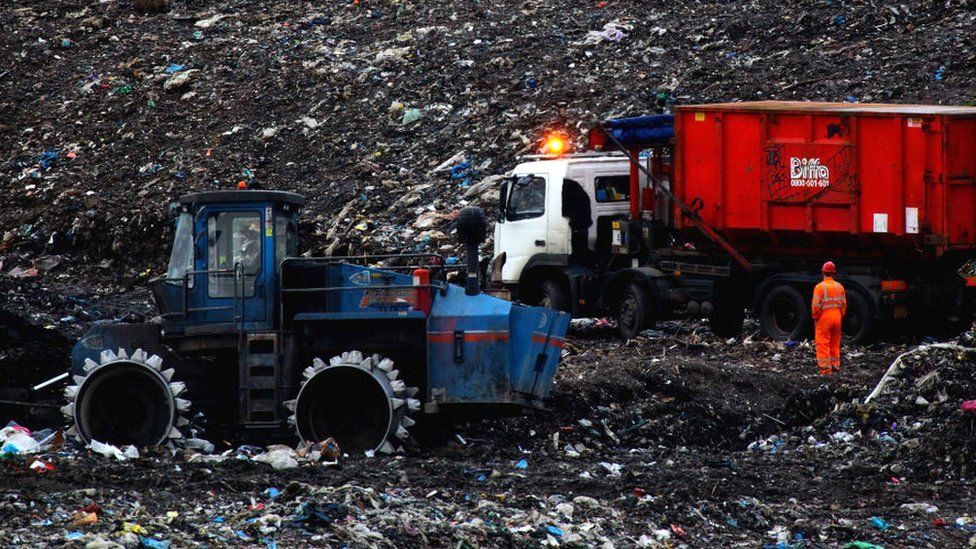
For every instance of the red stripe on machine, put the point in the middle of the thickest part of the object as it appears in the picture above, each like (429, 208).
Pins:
(555, 341)
(448, 337)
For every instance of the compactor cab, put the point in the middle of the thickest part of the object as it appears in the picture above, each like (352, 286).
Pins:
(225, 266)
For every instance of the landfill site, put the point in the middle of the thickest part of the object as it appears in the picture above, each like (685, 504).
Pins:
(477, 273)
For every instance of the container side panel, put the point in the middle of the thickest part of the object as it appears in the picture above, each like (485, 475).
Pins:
(880, 160)
(935, 196)
(961, 211)
(914, 165)
(742, 188)
(700, 138)
(808, 161)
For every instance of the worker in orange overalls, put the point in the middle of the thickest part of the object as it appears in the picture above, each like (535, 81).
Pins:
(828, 309)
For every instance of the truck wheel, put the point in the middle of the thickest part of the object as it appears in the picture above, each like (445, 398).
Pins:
(632, 314)
(858, 322)
(553, 296)
(783, 313)
(727, 316)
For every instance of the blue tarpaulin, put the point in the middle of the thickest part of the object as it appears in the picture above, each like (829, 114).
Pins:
(641, 131)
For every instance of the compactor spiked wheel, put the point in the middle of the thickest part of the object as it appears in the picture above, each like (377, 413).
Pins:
(360, 402)
(126, 399)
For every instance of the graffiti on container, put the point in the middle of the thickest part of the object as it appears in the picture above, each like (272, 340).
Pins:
(805, 172)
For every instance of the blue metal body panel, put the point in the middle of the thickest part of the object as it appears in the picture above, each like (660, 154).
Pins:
(480, 349)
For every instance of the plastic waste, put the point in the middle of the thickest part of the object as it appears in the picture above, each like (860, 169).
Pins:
(410, 116)
(879, 523)
(279, 459)
(107, 450)
(18, 442)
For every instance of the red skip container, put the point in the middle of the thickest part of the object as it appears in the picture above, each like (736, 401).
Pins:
(841, 177)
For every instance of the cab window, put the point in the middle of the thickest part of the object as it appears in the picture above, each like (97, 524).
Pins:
(181, 258)
(612, 188)
(527, 198)
(233, 238)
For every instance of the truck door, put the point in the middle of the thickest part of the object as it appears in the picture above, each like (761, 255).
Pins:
(235, 268)
(611, 197)
(524, 232)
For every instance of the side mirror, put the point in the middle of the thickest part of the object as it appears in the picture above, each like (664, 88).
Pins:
(502, 201)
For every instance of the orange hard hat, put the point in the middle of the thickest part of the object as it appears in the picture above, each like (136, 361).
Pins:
(829, 268)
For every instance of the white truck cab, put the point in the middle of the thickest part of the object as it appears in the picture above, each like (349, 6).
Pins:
(531, 221)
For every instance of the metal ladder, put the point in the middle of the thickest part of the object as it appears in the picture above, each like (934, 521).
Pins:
(260, 360)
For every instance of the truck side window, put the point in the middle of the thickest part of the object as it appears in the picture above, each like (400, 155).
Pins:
(181, 258)
(612, 188)
(233, 238)
(286, 241)
(527, 199)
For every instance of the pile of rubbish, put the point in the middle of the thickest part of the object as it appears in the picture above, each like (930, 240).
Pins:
(388, 117)
(676, 438)
(924, 408)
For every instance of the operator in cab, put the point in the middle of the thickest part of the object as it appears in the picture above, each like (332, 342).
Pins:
(828, 309)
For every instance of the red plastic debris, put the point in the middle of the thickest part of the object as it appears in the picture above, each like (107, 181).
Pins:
(939, 521)
(639, 492)
(601, 4)
(678, 531)
(968, 406)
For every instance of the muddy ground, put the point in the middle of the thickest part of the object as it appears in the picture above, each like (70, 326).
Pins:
(676, 438)
(108, 115)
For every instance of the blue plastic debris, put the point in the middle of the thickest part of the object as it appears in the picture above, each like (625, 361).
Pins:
(272, 492)
(452, 260)
(462, 172)
(940, 73)
(522, 464)
(242, 534)
(218, 520)
(174, 68)
(555, 531)
(47, 159)
(152, 543)
(269, 543)
(840, 20)
(73, 535)
(879, 523)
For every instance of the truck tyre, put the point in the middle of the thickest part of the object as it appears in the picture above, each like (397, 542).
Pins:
(632, 314)
(553, 295)
(858, 323)
(784, 313)
(727, 316)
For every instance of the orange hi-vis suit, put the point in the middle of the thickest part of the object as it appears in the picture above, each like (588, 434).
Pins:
(829, 308)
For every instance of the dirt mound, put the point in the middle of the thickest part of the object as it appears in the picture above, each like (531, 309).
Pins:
(109, 114)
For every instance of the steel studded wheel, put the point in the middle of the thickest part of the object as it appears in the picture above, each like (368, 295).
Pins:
(126, 399)
(358, 401)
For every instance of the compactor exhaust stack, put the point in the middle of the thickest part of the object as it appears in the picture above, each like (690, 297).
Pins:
(472, 228)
